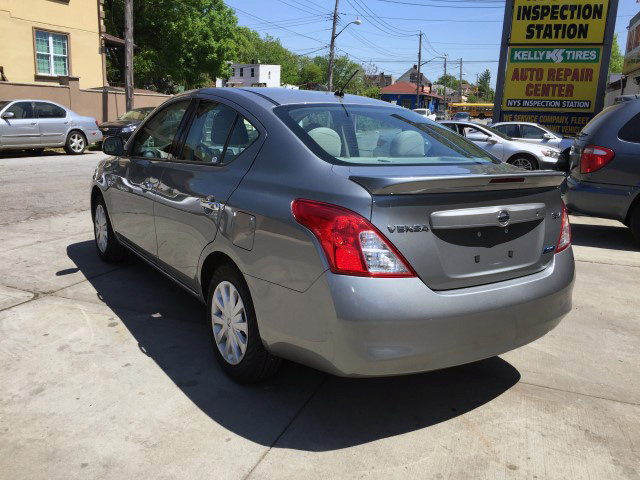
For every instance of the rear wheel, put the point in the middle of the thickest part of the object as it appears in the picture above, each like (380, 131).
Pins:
(523, 162)
(76, 143)
(634, 223)
(233, 329)
(109, 248)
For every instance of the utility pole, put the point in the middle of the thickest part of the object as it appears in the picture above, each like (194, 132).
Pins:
(418, 79)
(128, 54)
(332, 46)
(460, 84)
(445, 85)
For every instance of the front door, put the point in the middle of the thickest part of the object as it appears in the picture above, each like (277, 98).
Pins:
(21, 130)
(53, 122)
(218, 149)
(138, 177)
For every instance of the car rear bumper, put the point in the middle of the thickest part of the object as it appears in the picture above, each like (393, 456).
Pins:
(93, 136)
(354, 326)
(598, 199)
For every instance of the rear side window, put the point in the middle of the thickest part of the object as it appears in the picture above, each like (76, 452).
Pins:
(49, 110)
(21, 110)
(377, 135)
(155, 140)
(529, 131)
(631, 130)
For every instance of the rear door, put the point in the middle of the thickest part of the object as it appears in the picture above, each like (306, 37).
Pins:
(218, 148)
(53, 121)
(21, 130)
(487, 142)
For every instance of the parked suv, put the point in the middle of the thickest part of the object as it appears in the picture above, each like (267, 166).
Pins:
(605, 166)
(344, 233)
(36, 124)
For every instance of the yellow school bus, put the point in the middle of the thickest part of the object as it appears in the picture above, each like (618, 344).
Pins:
(475, 110)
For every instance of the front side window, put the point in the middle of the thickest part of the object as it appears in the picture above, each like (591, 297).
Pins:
(373, 135)
(155, 140)
(49, 110)
(21, 110)
(51, 53)
(218, 134)
(529, 131)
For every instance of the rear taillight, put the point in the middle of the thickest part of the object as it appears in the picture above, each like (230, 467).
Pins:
(594, 158)
(97, 126)
(350, 243)
(565, 234)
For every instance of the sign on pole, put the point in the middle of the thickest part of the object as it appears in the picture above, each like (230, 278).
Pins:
(553, 62)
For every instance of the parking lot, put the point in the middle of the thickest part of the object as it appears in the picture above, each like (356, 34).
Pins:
(107, 372)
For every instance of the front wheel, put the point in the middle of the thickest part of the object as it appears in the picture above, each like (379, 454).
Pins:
(524, 163)
(233, 329)
(76, 143)
(109, 248)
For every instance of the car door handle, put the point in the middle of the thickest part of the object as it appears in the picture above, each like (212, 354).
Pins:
(209, 203)
(34, 123)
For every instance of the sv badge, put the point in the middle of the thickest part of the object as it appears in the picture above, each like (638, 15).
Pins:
(407, 228)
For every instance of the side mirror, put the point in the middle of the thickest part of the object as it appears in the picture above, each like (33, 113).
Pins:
(8, 115)
(113, 146)
(548, 136)
(491, 140)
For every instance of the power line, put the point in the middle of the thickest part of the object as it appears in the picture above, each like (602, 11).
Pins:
(433, 6)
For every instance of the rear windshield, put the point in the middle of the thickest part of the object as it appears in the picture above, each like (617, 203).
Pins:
(378, 135)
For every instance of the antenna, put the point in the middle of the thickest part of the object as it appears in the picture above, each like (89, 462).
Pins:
(340, 93)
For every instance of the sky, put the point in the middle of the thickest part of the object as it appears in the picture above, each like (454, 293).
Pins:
(388, 35)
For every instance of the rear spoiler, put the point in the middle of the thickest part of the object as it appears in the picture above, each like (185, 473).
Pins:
(386, 185)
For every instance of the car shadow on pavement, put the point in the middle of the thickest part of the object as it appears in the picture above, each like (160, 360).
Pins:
(611, 237)
(46, 153)
(300, 408)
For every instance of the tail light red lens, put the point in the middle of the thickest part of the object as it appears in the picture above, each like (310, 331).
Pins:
(351, 244)
(565, 234)
(97, 124)
(594, 158)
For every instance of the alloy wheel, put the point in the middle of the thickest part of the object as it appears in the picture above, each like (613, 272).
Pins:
(229, 323)
(76, 142)
(524, 163)
(100, 225)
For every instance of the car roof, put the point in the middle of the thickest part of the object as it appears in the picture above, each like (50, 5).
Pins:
(519, 123)
(463, 122)
(286, 96)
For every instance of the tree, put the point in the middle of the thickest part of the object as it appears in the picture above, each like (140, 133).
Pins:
(451, 81)
(343, 68)
(615, 64)
(179, 43)
(310, 73)
(484, 85)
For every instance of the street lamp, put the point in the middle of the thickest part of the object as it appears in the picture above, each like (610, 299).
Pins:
(445, 79)
(334, 35)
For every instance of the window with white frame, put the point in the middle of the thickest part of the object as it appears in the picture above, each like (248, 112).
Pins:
(253, 72)
(242, 72)
(52, 53)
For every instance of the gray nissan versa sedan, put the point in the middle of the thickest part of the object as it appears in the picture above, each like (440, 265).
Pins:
(341, 232)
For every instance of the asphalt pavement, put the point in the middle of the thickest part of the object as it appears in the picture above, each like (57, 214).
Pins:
(107, 372)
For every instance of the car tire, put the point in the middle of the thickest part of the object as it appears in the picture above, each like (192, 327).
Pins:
(634, 223)
(109, 248)
(76, 143)
(525, 163)
(233, 329)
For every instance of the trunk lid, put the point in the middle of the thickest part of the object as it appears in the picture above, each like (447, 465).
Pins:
(465, 226)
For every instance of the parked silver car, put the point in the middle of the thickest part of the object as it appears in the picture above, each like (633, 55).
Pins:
(538, 134)
(37, 124)
(344, 233)
(515, 152)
